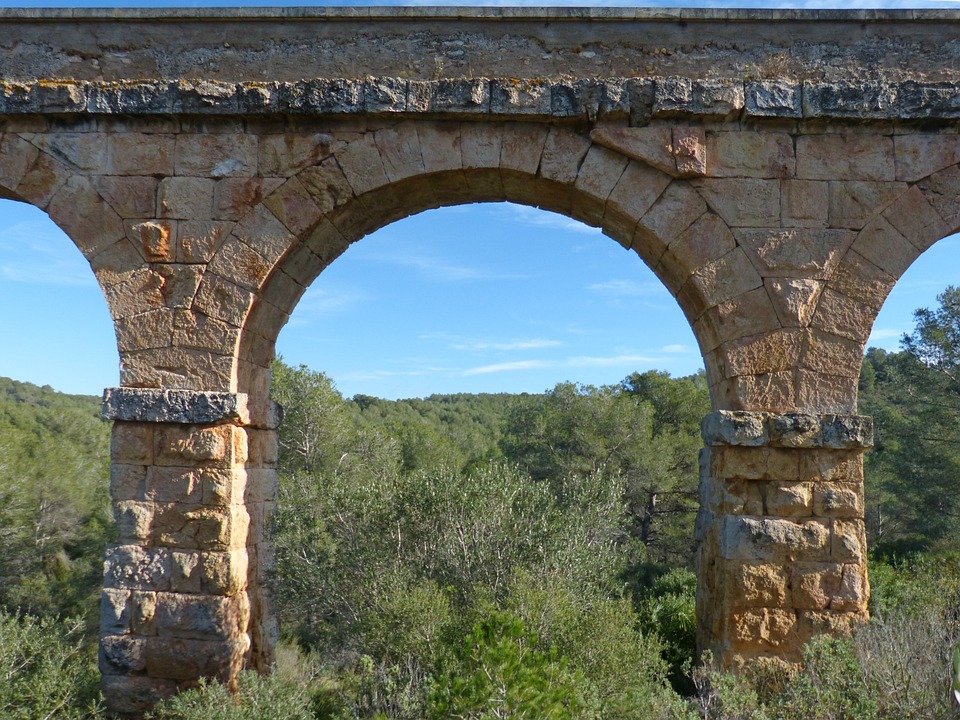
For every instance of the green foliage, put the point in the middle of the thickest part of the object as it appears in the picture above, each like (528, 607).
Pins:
(499, 673)
(46, 670)
(54, 504)
(257, 698)
(668, 608)
(831, 685)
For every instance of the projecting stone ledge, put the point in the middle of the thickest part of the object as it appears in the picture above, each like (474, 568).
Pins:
(639, 98)
(173, 406)
(790, 430)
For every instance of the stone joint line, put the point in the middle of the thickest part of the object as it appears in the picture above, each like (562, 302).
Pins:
(788, 430)
(641, 98)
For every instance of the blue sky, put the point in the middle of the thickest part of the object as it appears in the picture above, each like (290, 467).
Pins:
(480, 298)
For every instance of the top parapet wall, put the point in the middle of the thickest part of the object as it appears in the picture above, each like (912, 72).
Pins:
(290, 44)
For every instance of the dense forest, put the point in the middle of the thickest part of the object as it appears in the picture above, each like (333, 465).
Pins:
(499, 556)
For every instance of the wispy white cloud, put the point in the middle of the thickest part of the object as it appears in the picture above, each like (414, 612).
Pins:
(544, 218)
(37, 253)
(673, 349)
(507, 367)
(319, 302)
(523, 344)
(613, 361)
(620, 287)
(438, 270)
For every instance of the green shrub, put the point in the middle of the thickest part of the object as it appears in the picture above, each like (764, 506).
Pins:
(831, 685)
(258, 698)
(45, 670)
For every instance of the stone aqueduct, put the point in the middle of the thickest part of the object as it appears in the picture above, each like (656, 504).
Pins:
(778, 170)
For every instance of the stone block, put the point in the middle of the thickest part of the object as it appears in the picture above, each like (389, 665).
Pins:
(153, 329)
(846, 156)
(860, 279)
(84, 215)
(223, 300)
(680, 96)
(844, 316)
(234, 197)
(770, 392)
(690, 151)
(155, 239)
(795, 430)
(773, 98)
(831, 355)
(743, 202)
(751, 313)
(759, 354)
(674, 211)
(440, 146)
(854, 202)
(196, 445)
(122, 655)
(652, 145)
(512, 96)
(319, 96)
(293, 206)
(804, 203)
(264, 447)
(920, 154)
(131, 443)
(793, 299)
(755, 463)
(200, 332)
(847, 431)
(185, 198)
(222, 487)
(188, 659)
(815, 585)
(521, 147)
(400, 151)
(748, 154)
(140, 292)
(942, 191)
(481, 144)
(832, 466)
(763, 629)
(755, 539)
(563, 151)
(637, 188)
(724, 279)
(137, 568)
(724, 427)
(916, 219)
(854, 590)
(811, 623)
(362, 165)
(199, 527)
(286, 154)
(43, 181)
(144, 154)
(837, 500)
(216, 155)
(117, 263)
(176, 485)
(209, 573)
(848, 542)
(760, 586)
(202, 617)
(805, 253)
(127, 482)
(826, 393)
(789, 500)
(133, 695)
(706, 240)
(327, 184)
(130, 197)
(17, 156)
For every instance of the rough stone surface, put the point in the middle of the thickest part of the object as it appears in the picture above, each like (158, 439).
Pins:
(172, 406)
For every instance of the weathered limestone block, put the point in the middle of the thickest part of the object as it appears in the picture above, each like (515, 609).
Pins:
(805, 253)
(216, 155)
(706, 240)
(122, 654)
(43, 180)
(848, 541)
(710, 98)
(171, 406)
(750, 154)
(815, 585)
(286, 154)
(837, 500)
(803, 203)
(763, 629)
(883, 245)
(726, 427)
(202, 617)
(223, 300)
(185, 198)
(362, 165)
(788, 500)
(135, 567)
(916, 219)
(134, 694)
(130, 197)
(143, 154)
(765, 586)
(131, 443)
(743, 202)
(176, 367)
(189, 659)
(845, 156)
(773, 98)
(209, 573)
(754, 463)
(124, 612)
(198, 527)
(924, 153)
(220, 446)
(756, 539)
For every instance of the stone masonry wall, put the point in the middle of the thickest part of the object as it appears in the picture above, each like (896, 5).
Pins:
(777, 171)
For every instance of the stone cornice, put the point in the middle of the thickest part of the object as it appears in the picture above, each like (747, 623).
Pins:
(173, 406)
(537, 99)
(789, 430)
